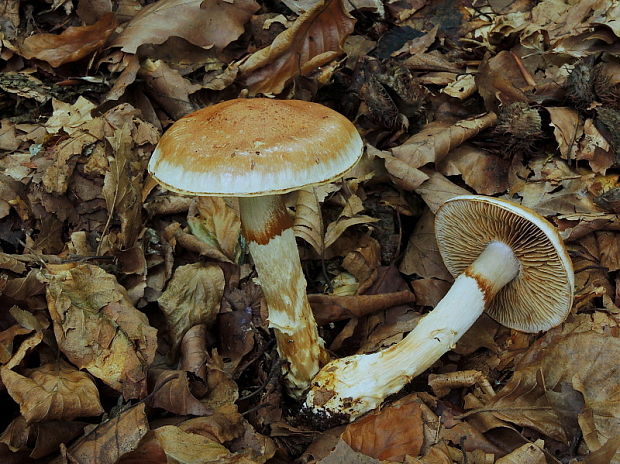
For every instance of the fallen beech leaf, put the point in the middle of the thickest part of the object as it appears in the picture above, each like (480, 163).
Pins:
(314, 39)
(55, 391)
(98, 329)
(172, 393)
(540, 394)
(192, 297)
(422, 254)
(168, 87)
(485, 173)
(530, 452)
(71, 45)
(344, 453)
(121, 189)
(194, 351)
(6, 341)
(432, 144)
(205, 23)
(567, 128)
(218, 225)
(336, 229)
(390, 435)
(309, 220)
(331, 308)
(39, 439)
(438, 189)
(111, 439)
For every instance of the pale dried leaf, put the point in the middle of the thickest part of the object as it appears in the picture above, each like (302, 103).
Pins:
(309, 220)
(72, 44)
(55, 391)
(192, 297)
(314, 39)
(98, 329)
(218, 225)
(156, 22)
(121, 189)
(111, 439)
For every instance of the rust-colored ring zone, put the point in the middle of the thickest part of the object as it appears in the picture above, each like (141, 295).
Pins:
(540, 297)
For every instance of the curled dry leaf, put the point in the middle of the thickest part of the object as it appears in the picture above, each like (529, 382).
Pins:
(172, 393)
(98, 329)
(192, 297)
(205, 23)
(55, 391)
(121, 189)
(111, 439)
(485, 173)
(391, 434)
(218, 225)
(422, 254)
(331, 308)
(201, 440)
(532, 453)
(309, 220)
(71, 45)
(432, 144)
(6, 341)
(567, 128)
(39, 439)
(314, 39)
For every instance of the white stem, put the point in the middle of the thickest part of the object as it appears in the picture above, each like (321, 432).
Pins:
(351, 386)
(268, 230)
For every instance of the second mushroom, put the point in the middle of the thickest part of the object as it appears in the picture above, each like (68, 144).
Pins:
(509, 261)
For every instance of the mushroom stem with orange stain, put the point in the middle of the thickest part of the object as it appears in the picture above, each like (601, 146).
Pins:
(267, 227)
(351, 386)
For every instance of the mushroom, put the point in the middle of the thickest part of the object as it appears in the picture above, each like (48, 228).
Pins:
(256, 150)
(510, 262)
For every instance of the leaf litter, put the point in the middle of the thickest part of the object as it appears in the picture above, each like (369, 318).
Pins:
(134, 329)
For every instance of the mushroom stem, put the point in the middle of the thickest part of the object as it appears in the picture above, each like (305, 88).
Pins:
(348, 387)
(267, 227)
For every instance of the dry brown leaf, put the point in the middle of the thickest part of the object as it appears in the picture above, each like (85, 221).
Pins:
(438, 189)
(390, 434)
(432, 144)
(218, 225)
(192, 297)
(422, 254)
(39, 439)
(314, 39)
(121, 189)
(542, 393)
(6, 341)
(111, 439)
(55, 391)
(72, 44)
(98, 329)
(236, 334)
(309, 220)
(194, 351)
(567, 128)
(200, 440)
(168, 87)
(500, 80)
(485, 173)
(171, 392)
(344, 453)
(331, 308)
(530, 452)
(205, 23)
(429, 292)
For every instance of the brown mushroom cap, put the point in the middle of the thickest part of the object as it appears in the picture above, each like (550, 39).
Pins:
(541, 295)
(252, 147)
